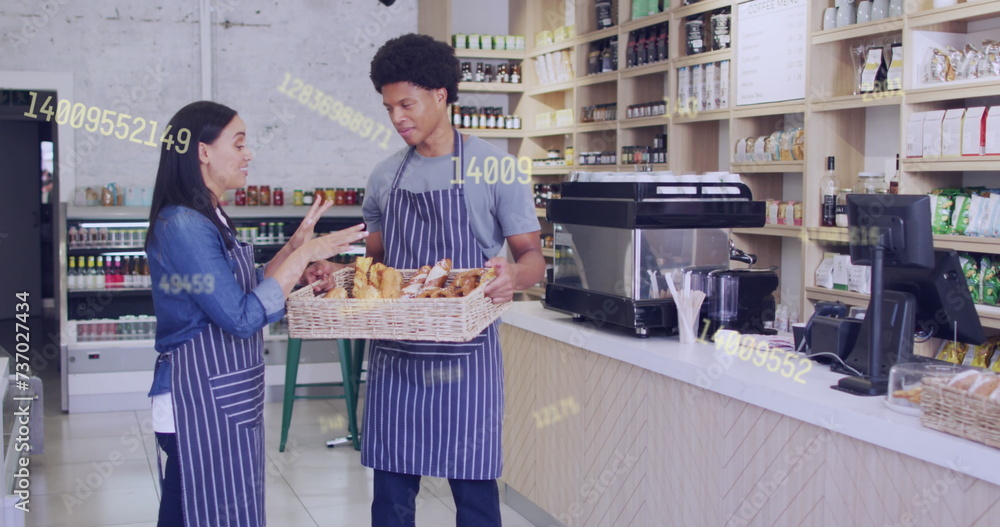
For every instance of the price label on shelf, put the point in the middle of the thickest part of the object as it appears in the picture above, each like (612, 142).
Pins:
(771, 44)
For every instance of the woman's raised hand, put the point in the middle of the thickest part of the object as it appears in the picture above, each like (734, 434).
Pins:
(305, 231)
(334, 243)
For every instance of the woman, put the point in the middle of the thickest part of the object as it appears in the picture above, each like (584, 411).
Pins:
(211, 304)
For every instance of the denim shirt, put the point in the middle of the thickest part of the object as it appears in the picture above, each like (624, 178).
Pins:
(187, 245)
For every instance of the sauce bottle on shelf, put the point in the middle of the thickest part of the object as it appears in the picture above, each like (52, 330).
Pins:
(278, 198)
(307, 198)
(297, 198)
(265, 195)
(339, 197)
(252, 195)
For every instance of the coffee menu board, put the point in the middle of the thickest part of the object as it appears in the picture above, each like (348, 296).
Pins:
(770, 51)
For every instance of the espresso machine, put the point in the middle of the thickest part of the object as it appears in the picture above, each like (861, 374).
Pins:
(617, 243)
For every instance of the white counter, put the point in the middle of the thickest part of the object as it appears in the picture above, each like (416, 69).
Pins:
(814, 402)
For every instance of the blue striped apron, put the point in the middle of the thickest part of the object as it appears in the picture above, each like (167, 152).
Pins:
(218, 393)
(433, 408)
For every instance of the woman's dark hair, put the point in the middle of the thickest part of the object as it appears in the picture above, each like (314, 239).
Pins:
(419, 60)
(179, 180)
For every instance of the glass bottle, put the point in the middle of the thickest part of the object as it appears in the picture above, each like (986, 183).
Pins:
(842, 206)
(515, 74)
(480, 75)
(456, 116)
(71, 274)
(252, 195)
(307, 198)
(241, 197)
(894, 182)
(331, 195)
(339, 197)
(297, 197)
(828, 195)
(264, 198)
(279, 197)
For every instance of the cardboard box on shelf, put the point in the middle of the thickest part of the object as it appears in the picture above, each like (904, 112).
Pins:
(724, 85)
(915, 135)
(991, 144)
(951, 132)
(974, 131)
(932, 133)
(711, 86)
(841, 271)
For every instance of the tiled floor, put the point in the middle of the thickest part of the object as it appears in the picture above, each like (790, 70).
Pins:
(100, 470)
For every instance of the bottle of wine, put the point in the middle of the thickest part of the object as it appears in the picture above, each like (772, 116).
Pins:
(828, 192)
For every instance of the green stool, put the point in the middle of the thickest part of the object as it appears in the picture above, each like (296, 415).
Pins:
(350, 368)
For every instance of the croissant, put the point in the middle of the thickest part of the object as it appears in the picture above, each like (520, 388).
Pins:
(361, 267)
(391, 283)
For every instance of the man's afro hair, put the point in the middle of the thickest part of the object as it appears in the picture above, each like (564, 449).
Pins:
(419, 60)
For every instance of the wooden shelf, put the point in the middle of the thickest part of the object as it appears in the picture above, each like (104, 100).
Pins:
(699, 7)
(597, 78)
(963, 12)
(950, 164)
(766, 110)
(490, 54)
(972, 244)
(548, 252)
(657, 167)
(594, 36)
(646, 69)
(645, 21)
(783, 231)
(705, 58)
(851, 102)
(868, 29)
(638, 122)
(490, 87)
(111, 214)
(828, 235)
(703, 116)
(553, 171)
(769, 167)
(493, 134)
(540, 212)
(950, 91)
(850, 298)
(544, 132)
(598, 126)
(555, 46)
(552, 88)
(989, 316)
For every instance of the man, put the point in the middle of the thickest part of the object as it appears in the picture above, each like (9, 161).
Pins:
(435, 409)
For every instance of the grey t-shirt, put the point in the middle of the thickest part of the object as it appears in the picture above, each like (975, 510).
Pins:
(496, 210)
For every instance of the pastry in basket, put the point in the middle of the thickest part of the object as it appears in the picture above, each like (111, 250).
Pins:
(438, 275)
(416, 282)
(391, 283)
(964, 380)
(361, 268)
(375, 275)
(336, 292)
(367, 292)
(985, 386)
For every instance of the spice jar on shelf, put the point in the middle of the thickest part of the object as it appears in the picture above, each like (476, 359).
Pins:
(871, 183)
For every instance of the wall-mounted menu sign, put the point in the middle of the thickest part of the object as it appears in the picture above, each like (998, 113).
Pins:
(770, 51)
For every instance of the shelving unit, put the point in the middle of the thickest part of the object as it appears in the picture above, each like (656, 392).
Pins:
(836, 121)
(107, 344)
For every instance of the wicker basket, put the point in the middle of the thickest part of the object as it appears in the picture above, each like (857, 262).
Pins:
(956, 412)
(428, 319)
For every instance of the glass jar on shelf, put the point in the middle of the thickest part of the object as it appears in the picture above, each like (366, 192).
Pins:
(871, 183)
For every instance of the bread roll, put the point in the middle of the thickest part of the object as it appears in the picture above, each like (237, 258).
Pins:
(438, 275)
(964, 380)
(428, 293)
(985, 386)
(416, 282)
(336, 292)
(391, 283)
